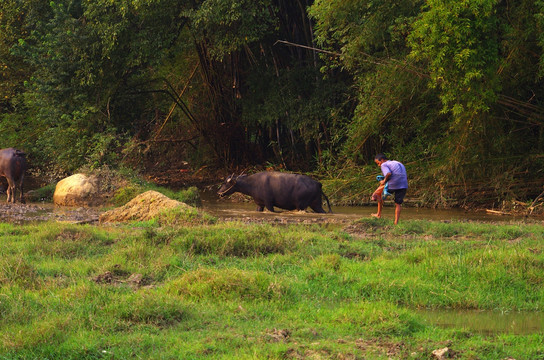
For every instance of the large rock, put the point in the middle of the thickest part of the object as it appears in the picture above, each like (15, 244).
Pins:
(77, 190)
(143, 207)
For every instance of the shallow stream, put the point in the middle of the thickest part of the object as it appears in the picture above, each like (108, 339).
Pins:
(486, 322)
(227, 208)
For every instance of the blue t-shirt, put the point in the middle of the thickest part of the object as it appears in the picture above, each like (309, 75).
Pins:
(398, 179)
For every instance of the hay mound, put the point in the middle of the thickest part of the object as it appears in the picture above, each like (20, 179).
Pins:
(143, 207)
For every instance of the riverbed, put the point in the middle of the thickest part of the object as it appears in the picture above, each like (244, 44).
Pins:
(239, 209)
(35, 212)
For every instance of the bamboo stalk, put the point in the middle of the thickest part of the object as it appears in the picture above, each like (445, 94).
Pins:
(175, 104)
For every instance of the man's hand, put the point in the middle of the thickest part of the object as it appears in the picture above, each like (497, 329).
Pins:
(386, 178)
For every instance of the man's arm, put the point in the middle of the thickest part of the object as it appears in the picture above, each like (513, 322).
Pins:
(386, 178)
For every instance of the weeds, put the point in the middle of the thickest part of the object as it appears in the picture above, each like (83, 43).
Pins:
(237, 240)
(226, 284)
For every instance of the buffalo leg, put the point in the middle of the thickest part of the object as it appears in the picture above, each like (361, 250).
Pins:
(21, 189)
(317, 206)
(318, 209)
(270, 207)
(260, 208)
(10, 191)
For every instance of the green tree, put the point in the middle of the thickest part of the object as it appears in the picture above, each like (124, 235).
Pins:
(459, 42)
(394, 109)
(267, 101)
(89, 58)
(481, 58)
(454, 83)
(17, 21)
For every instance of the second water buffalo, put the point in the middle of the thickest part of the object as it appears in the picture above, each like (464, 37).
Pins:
(13, 166)
(270, 188)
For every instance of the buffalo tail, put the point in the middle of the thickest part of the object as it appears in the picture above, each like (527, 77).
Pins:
(326, 198)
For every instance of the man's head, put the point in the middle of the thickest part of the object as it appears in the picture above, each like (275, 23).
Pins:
(380, 159)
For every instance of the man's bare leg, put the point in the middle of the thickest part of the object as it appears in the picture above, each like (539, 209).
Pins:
(397, 213)
(380, 206)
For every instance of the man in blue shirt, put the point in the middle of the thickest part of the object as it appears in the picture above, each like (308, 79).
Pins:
(395, 173)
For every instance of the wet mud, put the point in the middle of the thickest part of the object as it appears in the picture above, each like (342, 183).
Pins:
(27, 213)
(240, 209)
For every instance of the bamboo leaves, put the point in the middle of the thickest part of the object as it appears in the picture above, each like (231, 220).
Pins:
(458, 40)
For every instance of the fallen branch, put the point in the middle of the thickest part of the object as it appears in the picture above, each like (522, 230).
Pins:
(170, 140)
(497, 212)
(532, 207)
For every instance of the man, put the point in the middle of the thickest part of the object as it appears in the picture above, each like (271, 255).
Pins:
(395, 173)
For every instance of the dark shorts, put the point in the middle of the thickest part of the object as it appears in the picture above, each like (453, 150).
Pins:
(399, 195)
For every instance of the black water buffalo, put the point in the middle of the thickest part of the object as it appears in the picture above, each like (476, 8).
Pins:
(13, 166)
(269, 189)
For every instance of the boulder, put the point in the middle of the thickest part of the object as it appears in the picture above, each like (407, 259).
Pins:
(143, 207)
(77, 190)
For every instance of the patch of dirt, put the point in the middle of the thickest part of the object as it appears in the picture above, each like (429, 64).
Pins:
(278, 335)
(383, 346)
(360, 231)
(105, 278)
(110, 278)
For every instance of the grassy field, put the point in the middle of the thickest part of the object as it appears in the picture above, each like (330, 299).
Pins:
(160, 290)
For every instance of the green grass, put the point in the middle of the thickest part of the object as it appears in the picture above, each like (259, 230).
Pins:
(231, 290)
(42, 194)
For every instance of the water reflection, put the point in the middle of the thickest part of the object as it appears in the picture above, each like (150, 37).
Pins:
(486, 322)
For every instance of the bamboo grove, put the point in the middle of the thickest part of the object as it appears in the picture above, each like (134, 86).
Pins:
(453, 88)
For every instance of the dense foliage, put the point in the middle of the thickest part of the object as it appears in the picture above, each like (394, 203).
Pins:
(452, 88)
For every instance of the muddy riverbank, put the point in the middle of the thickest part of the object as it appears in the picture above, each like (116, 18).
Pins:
(26, 213)
(246, 212)
(238, 208)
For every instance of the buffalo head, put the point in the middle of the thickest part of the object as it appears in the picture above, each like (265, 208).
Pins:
(228, 187)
